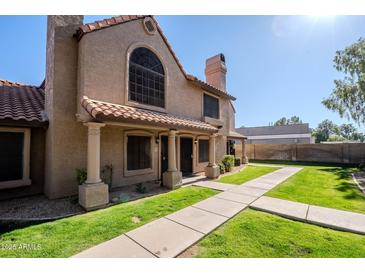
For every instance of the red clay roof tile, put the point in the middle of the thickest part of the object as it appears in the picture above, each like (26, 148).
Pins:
(104, 110)
(21, 103)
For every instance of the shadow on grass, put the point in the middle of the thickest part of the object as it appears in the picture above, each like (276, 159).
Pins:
(342, 173)
(346, 185)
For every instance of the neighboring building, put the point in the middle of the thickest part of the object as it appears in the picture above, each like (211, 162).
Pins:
(115, 94)
(287, 134)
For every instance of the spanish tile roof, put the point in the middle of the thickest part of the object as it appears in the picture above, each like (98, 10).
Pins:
(114, 112)
(235, 135)
(208, 87)
(98, 25)
(21, 104)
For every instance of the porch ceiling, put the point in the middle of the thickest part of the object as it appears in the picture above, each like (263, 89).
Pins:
(104, 111)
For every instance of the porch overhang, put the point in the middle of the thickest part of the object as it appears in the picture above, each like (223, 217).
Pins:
(233, 135)
(109, 112)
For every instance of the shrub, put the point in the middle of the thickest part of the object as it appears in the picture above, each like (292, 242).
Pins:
(222, 168)
(228, 162)
(140, 188)
(362, 165)
(81, 175)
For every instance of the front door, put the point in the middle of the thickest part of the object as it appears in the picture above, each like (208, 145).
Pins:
(186, 155)
(164, 154)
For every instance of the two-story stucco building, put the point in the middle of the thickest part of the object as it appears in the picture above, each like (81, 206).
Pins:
(115, 94)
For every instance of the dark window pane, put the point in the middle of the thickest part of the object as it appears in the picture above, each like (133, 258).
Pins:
(211, 106)
(11, 156)
(138, 152)
(203, 151)
(146, 70)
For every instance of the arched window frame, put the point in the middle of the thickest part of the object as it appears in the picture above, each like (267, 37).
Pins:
(140, 104)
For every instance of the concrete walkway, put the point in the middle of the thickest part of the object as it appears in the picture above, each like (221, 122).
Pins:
(171, 235)
(326, 217)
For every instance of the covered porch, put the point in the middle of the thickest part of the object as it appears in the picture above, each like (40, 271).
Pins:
(233, 139)
(142, 145)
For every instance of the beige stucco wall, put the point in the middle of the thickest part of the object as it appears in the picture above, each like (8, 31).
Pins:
(220, 148)
(103, 68)
(113, 150)
(97, 67)
(103, 75)
(66, 139)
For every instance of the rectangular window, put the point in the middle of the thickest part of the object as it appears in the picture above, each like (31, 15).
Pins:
(138, 152)
(11, 156)
(203, 151)
(211, 106)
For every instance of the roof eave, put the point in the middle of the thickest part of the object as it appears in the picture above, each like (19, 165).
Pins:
(210, 88)
(23, 123)
(99, 116)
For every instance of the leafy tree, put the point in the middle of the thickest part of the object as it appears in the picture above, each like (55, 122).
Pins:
(336, 138)
(282, 121)
(324, 130)
(358, 136)
(329, 131)
(290, 121)
(295, 120)
(347, 131)
(348, 96)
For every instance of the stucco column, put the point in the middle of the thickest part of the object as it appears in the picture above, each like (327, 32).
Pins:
(172, 178)
(244, 153)
(178, 164)
(93, 153)
(172, 151)
(93, 193)
(212, 150)
(212, 170)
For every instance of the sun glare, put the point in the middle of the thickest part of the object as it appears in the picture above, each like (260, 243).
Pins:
(315, 17)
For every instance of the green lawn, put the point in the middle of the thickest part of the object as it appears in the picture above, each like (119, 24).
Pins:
(66, 237)
(247, 174)
(328, 186)
(256, 234)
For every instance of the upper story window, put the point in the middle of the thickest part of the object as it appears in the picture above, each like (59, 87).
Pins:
(146, 78)
(211, 106)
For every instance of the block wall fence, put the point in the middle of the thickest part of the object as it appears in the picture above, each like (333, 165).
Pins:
(331, 153)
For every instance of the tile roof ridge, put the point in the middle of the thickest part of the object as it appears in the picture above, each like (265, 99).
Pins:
(9, 83)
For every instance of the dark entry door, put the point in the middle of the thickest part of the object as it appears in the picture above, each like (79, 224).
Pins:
(164, 154)
(186, 156)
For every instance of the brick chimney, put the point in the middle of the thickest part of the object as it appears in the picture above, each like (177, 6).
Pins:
(215, 71)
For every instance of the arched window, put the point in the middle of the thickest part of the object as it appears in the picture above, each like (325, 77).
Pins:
(146, 78)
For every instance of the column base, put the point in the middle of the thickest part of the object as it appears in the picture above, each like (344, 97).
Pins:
(172, 179)
(93, 196)
(244, 160)
(212, 172)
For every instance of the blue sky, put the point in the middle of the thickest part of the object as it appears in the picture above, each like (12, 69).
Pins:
(277, 65)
